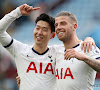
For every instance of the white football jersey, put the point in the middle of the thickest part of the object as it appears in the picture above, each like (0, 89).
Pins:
(74, 74)
(36, 71)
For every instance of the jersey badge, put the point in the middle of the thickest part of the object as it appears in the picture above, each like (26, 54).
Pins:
(96, 51)
(50, 56)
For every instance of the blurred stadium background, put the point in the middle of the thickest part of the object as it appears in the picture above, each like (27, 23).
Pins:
(87, 12)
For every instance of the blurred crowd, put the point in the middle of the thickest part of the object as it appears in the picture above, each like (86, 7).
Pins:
(8, 71)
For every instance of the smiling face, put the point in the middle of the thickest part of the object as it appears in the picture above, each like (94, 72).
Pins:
(64, 28)
(42, 33)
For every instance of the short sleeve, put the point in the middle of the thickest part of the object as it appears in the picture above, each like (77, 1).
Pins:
(95, 53)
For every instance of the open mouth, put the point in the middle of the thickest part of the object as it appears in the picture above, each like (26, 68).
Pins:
(39, 38)
(60, 33)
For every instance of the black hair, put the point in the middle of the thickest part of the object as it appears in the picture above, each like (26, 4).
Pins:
(45, 17)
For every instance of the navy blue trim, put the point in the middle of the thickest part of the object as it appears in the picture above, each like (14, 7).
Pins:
(98, 58)
(9, 44)
(74, 46)
(39, 53)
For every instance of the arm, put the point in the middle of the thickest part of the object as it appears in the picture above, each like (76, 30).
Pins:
(87, 44)
(24, 9)
(5, 39)
(94, 63)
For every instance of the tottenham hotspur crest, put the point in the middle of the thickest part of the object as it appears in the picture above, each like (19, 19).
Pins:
(50, 56)
(96, 51)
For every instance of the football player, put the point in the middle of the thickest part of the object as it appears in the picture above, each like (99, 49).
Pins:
(75, 70)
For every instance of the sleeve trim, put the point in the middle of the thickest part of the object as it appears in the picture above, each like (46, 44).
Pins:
(98, 58)
(9, 44)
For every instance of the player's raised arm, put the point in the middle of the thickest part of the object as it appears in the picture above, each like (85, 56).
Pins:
(24, 9)
(5, 38)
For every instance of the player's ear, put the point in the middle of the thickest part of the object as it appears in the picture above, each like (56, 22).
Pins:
(53, 35)
(75, 26)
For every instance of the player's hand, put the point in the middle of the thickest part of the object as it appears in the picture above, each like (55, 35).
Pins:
(87, 44)
(72, 53)
(18, 80)
(26, 9)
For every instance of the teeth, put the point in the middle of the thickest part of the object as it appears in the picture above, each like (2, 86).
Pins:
(38, 38)
(60, 32)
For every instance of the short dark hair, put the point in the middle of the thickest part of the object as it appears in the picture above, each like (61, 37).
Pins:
(45, 17)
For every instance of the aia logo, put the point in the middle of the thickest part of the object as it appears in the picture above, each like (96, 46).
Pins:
(32, 67)
(63, 75)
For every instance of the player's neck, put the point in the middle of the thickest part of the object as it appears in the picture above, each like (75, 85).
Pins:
(71, 42)
(40, 49)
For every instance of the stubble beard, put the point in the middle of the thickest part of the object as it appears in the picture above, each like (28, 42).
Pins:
(66, 38)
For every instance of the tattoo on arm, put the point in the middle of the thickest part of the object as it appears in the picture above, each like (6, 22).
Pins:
(94, 63)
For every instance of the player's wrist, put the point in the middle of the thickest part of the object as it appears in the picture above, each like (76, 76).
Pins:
(18, 11)
(85, 58)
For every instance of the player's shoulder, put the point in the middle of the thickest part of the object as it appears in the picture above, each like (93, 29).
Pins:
(56, 47)
(78, 46)
(93, 52)
(21, 46)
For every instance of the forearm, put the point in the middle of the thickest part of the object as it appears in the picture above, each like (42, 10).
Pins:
(8, 19)
(94, 63)
(5, 38)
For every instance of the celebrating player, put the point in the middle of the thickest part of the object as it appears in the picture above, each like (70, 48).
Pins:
(78, 71)
(35, 65)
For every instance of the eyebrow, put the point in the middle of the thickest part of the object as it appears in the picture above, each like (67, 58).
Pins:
(37, 25)
(60, 22)
(42, 27)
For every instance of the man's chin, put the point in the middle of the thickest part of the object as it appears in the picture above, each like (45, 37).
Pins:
(39, 42)
(61, 39)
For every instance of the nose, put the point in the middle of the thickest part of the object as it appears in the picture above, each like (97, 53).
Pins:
(40, 31)
(58, 27)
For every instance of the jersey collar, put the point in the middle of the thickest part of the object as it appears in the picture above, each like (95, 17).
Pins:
(74, 46)
(39, 53)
